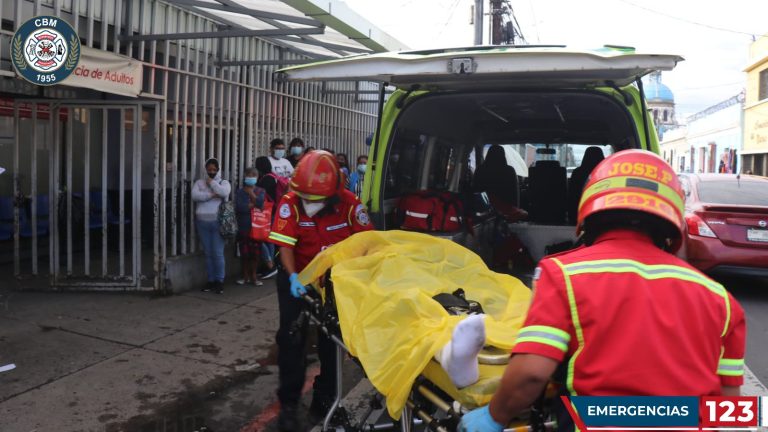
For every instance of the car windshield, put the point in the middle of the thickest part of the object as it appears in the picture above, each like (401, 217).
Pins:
(734, 192)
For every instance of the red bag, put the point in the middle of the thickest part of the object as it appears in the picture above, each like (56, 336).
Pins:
(511, 255)
(261, 221)
(431, 211)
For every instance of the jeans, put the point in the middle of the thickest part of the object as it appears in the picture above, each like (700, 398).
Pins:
(291, 359)
(213, 246)
(267, 251)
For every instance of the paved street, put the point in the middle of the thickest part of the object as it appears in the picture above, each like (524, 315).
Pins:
(753, 295)
(191, 362)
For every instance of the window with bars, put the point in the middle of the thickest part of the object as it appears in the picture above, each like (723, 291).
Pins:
(763, 83)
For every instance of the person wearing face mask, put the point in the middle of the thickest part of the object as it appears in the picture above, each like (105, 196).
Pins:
(248, 197)
(281, 165)
(296, 149)
(356, 178)
(342, 158)
(317, 213)
(209, 193)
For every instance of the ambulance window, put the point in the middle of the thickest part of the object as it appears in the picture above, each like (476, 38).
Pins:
(443, 165)
(571, 156)
(403, 165)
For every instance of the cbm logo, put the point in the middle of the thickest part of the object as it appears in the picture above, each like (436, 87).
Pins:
(45, 50)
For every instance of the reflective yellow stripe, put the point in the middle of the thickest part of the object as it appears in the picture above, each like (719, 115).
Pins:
(546, 335)
(547, 329)
(730, 367)
(544, 341)
(629, 181)
(576, 325)
(653, 272)
(282, 238)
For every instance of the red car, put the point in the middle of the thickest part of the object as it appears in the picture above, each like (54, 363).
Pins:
(727, 223)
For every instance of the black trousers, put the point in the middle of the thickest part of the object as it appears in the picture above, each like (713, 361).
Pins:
(291, 355)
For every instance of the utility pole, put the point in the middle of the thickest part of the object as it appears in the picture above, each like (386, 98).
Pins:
(479, 22)
(496, 22)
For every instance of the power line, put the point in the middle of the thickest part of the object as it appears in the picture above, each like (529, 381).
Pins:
(447, 21)
(687, 20)
(535, 23)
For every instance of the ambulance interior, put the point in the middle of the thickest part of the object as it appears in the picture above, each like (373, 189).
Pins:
(440, 141)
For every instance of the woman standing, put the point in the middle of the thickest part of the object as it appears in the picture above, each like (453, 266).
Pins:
(343, 163)
(209, 193)
(248, 197)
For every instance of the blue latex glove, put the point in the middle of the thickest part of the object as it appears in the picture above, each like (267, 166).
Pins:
(479, 420)
(297, 289)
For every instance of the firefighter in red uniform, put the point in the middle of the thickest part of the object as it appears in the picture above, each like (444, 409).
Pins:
(623, 315)
(317, 213)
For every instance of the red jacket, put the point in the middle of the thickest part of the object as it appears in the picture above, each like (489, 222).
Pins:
(310, 235)
(630, 319)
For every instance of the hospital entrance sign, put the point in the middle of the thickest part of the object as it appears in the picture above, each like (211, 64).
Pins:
(45, 50)
(107, 72)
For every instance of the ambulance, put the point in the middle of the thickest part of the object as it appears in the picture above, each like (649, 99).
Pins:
(545, 106)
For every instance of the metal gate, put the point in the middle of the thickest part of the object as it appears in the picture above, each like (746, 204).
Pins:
(79, 170)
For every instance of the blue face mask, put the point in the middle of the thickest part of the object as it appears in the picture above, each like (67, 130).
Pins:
(250, 181)
(279, 154)
(296, 150)
(361, 168)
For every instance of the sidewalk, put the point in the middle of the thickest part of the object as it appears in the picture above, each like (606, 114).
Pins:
(128, 362)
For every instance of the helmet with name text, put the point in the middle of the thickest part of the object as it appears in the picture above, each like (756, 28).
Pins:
(317, 176)
(631, 186)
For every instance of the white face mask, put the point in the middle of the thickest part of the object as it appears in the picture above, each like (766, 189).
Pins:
(311, 208)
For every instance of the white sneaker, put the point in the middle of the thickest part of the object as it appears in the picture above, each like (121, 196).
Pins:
(240, 281)
(258, 283)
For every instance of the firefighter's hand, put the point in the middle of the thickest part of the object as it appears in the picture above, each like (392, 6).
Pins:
(297, 289)
(479, 420)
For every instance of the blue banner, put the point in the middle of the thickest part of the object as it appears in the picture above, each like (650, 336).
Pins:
(637, 411)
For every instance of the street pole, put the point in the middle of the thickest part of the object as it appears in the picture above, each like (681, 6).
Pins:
(496, 22)
(479, 22)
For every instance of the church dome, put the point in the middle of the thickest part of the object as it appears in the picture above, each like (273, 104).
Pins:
(656, 91)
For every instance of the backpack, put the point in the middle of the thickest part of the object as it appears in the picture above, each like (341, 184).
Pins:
(227, 220)
(281, 185)
(431, 211)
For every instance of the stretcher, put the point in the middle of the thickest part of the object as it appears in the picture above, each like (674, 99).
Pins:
(374, 299)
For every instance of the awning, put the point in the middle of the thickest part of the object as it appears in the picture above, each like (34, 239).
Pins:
(312, 28)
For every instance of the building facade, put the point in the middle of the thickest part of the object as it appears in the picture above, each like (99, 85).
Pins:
(675, 149)
(97, 189)
(710, 142)
(755, 154)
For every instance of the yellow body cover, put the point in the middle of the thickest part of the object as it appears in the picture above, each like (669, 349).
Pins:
(384, 282)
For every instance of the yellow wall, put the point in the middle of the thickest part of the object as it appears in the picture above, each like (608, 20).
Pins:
(756, 114)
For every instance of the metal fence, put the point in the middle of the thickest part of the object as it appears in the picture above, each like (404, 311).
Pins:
(211, 97)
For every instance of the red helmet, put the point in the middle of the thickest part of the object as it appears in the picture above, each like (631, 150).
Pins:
(635, 180)
(316, 176)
